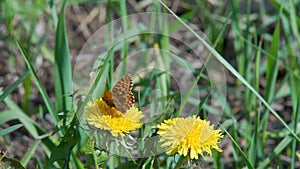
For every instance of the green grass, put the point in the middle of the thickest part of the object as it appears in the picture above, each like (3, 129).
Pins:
(262, 71)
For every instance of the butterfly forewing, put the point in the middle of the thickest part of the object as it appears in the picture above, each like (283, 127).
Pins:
(121, 96)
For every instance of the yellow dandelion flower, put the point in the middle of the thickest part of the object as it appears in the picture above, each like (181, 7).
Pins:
(189, 135)
(102, 116)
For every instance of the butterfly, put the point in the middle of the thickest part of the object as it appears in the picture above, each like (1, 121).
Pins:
(121, 96)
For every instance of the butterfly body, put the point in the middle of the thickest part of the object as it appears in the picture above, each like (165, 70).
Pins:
(108, 98)
(121, 96)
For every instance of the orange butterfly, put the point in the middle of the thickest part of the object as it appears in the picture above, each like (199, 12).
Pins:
(121, 96)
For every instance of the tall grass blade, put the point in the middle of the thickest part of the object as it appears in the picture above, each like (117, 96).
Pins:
(10, 129)
(272, 65)
(15, 113)
(271, 76)
(295, 116)
(294, 24)
(53, 11)
(124, 20)
(62, 66)
(246, 160)
(13, 86)
(30, 152)
(276, 151)
(233, 71)
(39, 84)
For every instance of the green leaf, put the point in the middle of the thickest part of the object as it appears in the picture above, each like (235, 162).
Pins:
(272, 65)
(245, 159)
(6, 162)
(10, 129)
(276, 151)
(62, 151)
(17, 114)
(233, 71)
(88, 146)
(13, 86)
(39, 84)
(30, 152)
(175, 25)
(62, 66)
(271, 76)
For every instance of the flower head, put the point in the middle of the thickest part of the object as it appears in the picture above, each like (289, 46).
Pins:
(189, 135)
(102, 116)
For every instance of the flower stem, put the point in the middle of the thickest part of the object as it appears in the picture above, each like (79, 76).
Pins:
(181, 160)
(95, 160)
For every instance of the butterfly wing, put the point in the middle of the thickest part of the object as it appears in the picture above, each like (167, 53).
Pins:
(122, 95)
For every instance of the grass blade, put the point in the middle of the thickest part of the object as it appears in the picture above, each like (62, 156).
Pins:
(272, 65)
(295, 115)
(277, 150)
(246, 160)
(17, 114)
(62, 65)
(53, 11)
(124, 20)
(294, 24)
(10, 129)
(234, 72)
(271, 75)
(14, 85)
(25, 159)
(39, 84)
